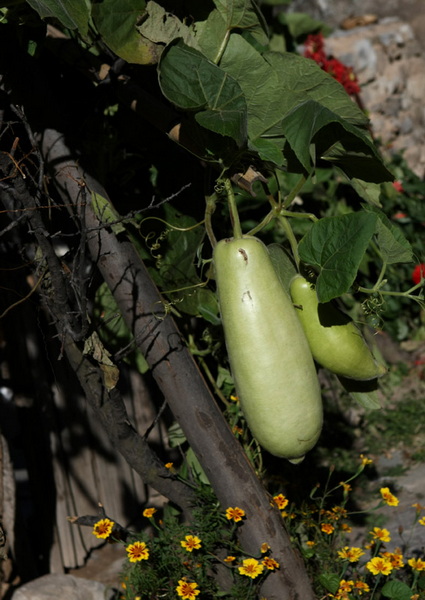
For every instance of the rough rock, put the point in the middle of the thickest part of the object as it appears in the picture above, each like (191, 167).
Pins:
(390, 66)
(65, 587)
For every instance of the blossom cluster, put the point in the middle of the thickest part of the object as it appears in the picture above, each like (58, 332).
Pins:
(187, 589)
(314, 48)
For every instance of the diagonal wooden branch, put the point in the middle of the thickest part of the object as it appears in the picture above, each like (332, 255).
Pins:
(178, 377)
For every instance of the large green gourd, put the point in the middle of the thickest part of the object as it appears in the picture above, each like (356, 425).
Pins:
(269, 356)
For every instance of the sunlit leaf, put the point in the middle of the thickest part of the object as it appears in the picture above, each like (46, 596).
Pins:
(336, 246)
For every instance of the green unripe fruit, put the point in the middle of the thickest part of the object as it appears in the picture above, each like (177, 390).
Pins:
(269, 356)
(335, 341)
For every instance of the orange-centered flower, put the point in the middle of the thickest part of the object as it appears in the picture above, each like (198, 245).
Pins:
(137, 551)
(388, 497)
(352, 554)
(187, 590)
(383, 535)
(251, 568)
(379, 566)
(191, 542)
(281, 501)
(236, 514)
(103, 529)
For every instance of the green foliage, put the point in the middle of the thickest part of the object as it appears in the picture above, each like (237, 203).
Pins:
(250, 104)
(328, 245)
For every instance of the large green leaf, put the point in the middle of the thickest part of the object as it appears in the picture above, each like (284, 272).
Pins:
(336, 246)
(73, 15)
(397, 590)
(308, 123)
(116, 23)
(264, 91)
(393, 246)
(303, 76)
(192, 82)
(275, 83)
(289, 95)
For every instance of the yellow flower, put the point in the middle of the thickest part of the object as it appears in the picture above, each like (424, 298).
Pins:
(229, 559)
(379, 565)
(388, 497)
(264, 548)
(346, 486)
(169, 465)
(365, 460)
(251, 568)
(345, 586)
(149, 512)
(395, 558)
(191, 542)
(352, 554)
(310, 543)
(422, 521)
(383, 535)
(187, 590)
(346, 527)
(327, 528)
(137, 551)
(103, 529)
(339, 512)
(417, 564)
(234, 398)
(281, 501)
(236, 514)
(361, 587)
(270, 563)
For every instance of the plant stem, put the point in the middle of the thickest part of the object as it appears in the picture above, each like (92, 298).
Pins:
(288, 213)
(263, 223)
(222, 48)
(209, 211)
(234, 216)
(375, 587)
(291, 238)
(295, 190)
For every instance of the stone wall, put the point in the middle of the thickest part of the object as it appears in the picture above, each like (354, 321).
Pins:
(390, 66)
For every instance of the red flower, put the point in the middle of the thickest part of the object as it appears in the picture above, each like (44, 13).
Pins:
(400, 215)
(314, 49)
(397, 185)
(418, 273)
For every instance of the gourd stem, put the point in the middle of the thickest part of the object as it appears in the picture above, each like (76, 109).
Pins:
(234, 216)
(291, 237)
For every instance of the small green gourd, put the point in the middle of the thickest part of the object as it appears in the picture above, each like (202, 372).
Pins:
(335, 341)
